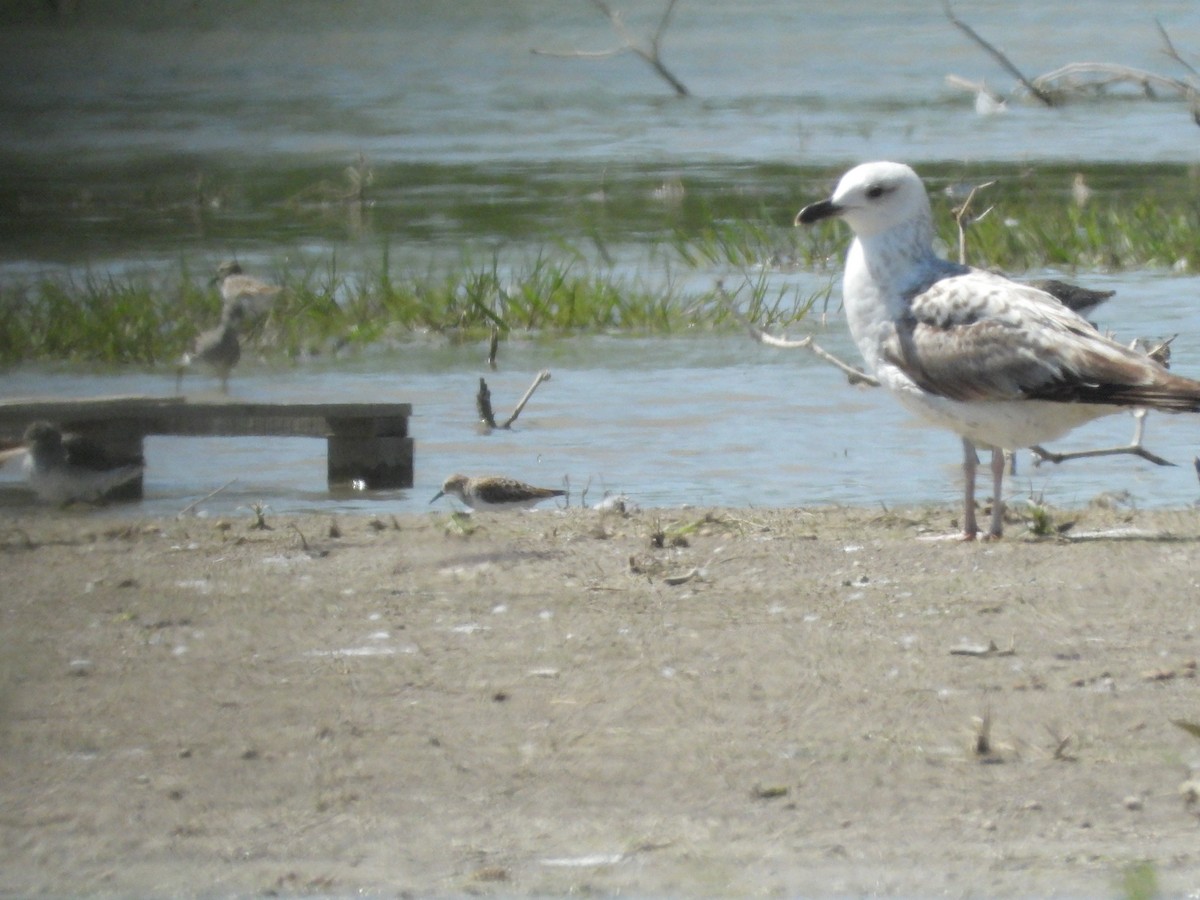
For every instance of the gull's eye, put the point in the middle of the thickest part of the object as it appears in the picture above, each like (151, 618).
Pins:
(876, 191)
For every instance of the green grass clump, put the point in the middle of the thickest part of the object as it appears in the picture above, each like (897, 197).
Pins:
(100, 318)
(717, 250)
(323, 309)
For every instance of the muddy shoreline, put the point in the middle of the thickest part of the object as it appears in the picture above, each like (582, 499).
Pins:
(687, 702)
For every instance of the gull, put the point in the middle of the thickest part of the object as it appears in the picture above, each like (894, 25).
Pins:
(65, 469)
(254, 295)
(1004, 365)
(494, 492)
(217, 349)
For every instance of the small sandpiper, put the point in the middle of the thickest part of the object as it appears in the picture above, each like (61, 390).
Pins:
(495, 492)
(217, 349)
(254, 295)
(66, 469)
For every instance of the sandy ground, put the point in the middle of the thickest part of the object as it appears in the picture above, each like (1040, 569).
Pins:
(725, 702)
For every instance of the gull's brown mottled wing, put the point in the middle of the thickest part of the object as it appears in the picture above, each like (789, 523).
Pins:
(979, 336)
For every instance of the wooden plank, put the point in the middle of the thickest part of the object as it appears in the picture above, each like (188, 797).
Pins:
(218, 417)
(378, 462)
(366, 442)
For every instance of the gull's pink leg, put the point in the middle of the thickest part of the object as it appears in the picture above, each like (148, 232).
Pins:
(970, 461)
(997, 494)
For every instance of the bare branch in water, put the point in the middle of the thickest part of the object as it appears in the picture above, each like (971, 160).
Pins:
(483, 404)
(1134, 448)
(855, 376)
(493, 347)
(191, 506)
(652, 55)
(1171, 52)
(997, 55)
(543, 375)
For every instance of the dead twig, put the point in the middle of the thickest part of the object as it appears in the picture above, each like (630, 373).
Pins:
(976, 88)
(1044, 98)
(984, 650)
(541, 376)
(982, 745)
(303, 539)
(1171, 52)
(1169, 48)
(483, 402)
(187, 509)
(961, 220)
(1134, 449)
(1095, 76)
(493, 348)
(651, 55)
(855, 376)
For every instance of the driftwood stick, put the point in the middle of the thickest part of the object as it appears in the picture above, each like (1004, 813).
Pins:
(187, 509)
(973, 87)
(483, 405)
(493, 348)
(855, 376)
(663, 22)
(1132, 450)
(1044, 98)
(1171, 52)
(656, 60)
(541, 376)
(1112, 74)
(652, 56)
(579, 54)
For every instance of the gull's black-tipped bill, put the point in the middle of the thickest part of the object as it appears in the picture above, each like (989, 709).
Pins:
(815, 212)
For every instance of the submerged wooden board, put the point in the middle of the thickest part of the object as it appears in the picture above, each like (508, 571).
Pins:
(181, 416)
(366, 441)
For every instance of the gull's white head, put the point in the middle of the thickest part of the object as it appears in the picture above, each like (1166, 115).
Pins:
(873, 198)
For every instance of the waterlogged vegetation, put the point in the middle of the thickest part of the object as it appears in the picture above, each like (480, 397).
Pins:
(384, 256)
(145, 321)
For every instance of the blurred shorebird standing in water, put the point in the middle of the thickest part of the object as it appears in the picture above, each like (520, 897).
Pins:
(65, 469)
(218, 349)
(494, 492)
(255, 296)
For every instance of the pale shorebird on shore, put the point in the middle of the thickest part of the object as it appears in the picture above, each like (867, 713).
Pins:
(1080, 192)
(1002, 364)
(218, 349)
(494, 492)
(67, 469)
(255, 296)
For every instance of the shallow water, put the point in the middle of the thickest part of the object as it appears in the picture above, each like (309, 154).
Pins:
(665, 421)
(153, 137)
